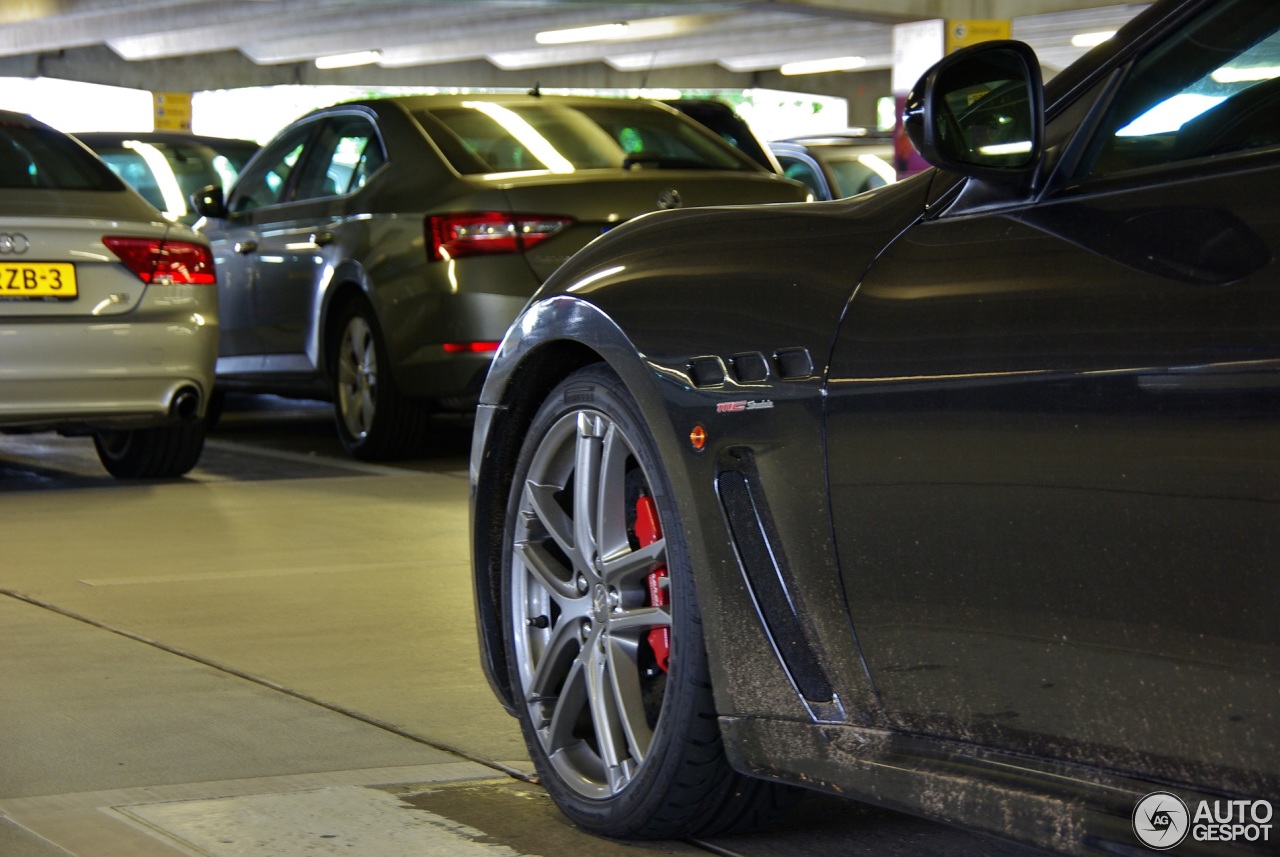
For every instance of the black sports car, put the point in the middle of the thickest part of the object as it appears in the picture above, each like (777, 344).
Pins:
(959, 497)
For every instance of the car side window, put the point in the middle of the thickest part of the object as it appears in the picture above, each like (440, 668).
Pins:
(1212, 91)
(854, 177)
(797, 170)
(268, 181)
(344, 156)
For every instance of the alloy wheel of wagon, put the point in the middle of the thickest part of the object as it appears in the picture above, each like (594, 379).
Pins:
(603, 633)
(374, 420)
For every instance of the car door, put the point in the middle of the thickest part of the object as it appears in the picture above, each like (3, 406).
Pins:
(1054, 450)
(299, 237)
(236, 242)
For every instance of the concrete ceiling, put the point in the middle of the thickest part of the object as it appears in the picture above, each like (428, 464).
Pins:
(175, 45)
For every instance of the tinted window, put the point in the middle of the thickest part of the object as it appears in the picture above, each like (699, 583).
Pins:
(343, 157)
(563, 138)
(721, 119)
(856, 174)
(43, 158)
(168, 174)
(797, 170)
(1213, 90)
(267, 182)
(132, 166)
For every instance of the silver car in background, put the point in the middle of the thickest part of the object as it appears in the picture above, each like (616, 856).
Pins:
(375, 252)
(108, 313)
(835, 166)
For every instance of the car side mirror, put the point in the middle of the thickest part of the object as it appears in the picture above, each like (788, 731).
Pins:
(980, 112)
(209, 202)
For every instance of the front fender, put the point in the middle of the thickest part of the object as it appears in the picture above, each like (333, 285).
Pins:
(721, 319)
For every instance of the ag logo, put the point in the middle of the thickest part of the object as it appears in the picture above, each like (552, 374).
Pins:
(1161, 820)
(669, 199)
(14, 242)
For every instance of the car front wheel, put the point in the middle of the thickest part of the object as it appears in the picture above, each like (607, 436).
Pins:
(603, 632)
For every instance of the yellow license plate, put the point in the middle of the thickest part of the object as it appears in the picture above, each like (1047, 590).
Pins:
(37, 280)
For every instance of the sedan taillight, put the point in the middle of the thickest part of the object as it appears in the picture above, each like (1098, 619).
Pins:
(162, 262)
(452, 236)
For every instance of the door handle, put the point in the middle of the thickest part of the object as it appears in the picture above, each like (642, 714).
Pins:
(322, 238)
(246, 247)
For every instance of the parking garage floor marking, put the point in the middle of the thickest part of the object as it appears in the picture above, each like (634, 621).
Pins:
(307, 458)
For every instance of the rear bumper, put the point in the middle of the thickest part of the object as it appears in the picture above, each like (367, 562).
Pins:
(71, 407)
(428, 371)
(452, 380)
(79, 375)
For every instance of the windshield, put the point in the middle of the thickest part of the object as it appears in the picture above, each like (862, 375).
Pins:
(562, 138)
(41, 158)
(855, 173)
(1211, 91)
(167, 175)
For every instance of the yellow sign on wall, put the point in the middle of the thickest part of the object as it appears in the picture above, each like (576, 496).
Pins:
(964, 32)
(172, 111)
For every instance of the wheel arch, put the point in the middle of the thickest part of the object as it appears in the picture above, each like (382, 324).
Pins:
(350, 287)
(530, 364)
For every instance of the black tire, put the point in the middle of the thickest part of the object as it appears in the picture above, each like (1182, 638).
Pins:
(375, 422)
(625, 749)
(156, 453)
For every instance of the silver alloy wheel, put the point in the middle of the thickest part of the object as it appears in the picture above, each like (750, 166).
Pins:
(581, 607)
(357, 377)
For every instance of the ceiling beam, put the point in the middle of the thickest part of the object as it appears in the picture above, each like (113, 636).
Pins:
(520, 50)
(443, 38)
(194, 38)
(74, 25)
(226, 26)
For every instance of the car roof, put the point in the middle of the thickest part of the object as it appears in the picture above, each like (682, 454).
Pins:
(12, 117)
(428, 102)
(171, 137)
(843, 138)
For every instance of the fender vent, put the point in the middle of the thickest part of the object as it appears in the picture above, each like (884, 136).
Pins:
(706, 371)
(794, 363)
(765, 570)
(751, 367)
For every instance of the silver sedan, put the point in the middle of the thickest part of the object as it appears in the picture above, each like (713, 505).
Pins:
(108, 313)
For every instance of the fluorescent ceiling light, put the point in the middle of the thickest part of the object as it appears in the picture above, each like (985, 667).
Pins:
(821, 66)
(1088, 40)
(599, 33)
(647, 28)
(349, 60)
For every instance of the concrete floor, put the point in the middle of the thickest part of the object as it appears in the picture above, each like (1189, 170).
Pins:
(277, 656)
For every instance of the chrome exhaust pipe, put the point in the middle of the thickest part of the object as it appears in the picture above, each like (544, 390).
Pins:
(185, 404)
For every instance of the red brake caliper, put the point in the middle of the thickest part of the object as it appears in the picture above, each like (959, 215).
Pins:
(648, 531)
